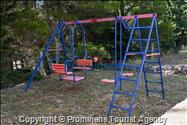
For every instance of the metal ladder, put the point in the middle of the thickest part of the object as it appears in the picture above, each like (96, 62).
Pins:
(144, 53)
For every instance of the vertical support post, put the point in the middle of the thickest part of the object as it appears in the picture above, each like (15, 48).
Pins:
(60, 77)
(120, 49)
(72, 42)
(58, 42)
(121, 41)
(59, 58)
(84, 43)
(63, 44)
(124, 59)
(115, 49)
(128, 45)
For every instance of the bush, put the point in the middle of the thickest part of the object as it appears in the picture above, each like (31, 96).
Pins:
(92, 50)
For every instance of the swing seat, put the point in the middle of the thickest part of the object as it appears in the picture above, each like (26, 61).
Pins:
(83, 64)
(71, 78)
(128, 74)
(60, 69)
(107, 81)
(62, 72)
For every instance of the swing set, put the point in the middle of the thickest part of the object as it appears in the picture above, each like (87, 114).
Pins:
(65, 70)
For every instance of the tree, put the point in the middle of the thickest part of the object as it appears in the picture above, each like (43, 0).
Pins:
(177, 11)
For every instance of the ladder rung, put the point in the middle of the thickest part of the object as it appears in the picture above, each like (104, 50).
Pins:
(152, 54)
(155, 91)
(124, 93)
(130, 65)
(151, 61)
(134, 53)
(128, 79)
(114, 106)
(153, 81)
(141, 27)
(144, 40)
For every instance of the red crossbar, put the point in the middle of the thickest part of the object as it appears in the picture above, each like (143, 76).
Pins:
(141, 16)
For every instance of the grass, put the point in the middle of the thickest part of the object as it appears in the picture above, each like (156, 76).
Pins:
(179, 58)
(86, 98)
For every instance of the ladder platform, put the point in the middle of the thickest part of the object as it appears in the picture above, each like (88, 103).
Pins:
(107, 81)
(141, 53)
(71, 78)
(152, 54)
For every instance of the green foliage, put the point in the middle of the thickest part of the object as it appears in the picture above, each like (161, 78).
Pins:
(93, 50)
(177, 11)
(167, 39)
(32, 21)
(20, 26)
(6, 37)
(22, 23)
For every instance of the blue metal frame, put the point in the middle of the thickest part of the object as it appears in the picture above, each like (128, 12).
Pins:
(125, 25)
(58, 42)
(141, 49)
(77, 23)
(73, 57)
(160, 66)
(141, 67)
(59, 26)
(63, 44)
(121, 41)
(115, 49)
